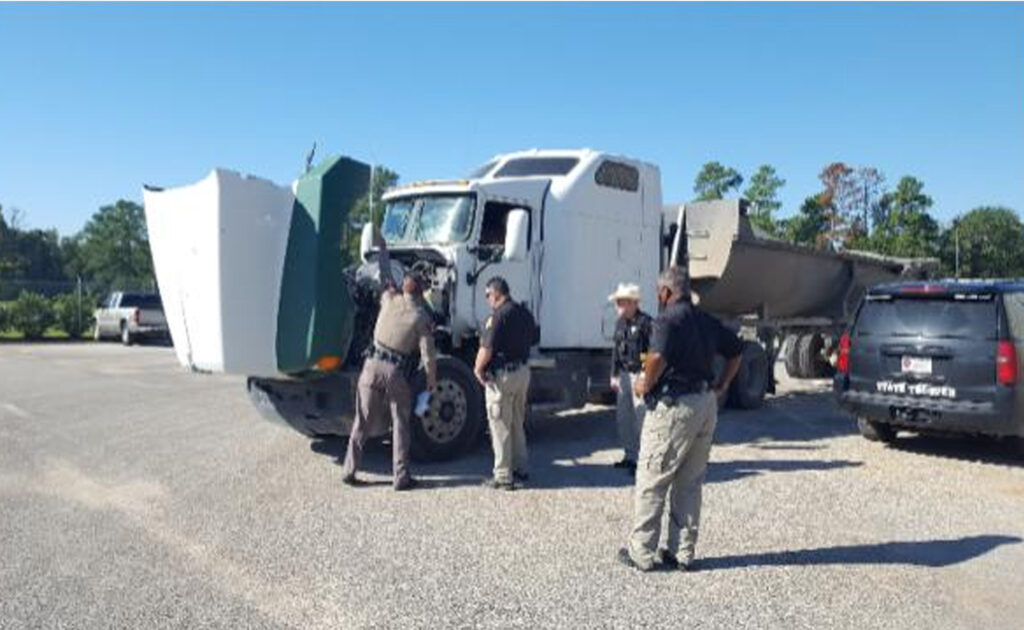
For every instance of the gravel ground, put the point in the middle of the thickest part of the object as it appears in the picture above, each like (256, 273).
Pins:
(135, 495)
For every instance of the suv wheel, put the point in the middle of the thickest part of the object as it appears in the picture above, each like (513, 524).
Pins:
(876, 431)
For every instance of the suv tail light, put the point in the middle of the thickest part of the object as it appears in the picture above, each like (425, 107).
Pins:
(1006, 363)
(843, 362)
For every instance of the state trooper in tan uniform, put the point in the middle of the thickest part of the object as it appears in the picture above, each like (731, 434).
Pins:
(402, 325)
(501, 367)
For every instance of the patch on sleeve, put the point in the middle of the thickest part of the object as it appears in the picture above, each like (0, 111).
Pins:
(490, 322)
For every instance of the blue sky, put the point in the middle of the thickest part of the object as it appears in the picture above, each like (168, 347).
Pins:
(96, 100)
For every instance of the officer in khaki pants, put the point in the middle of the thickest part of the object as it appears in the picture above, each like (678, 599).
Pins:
(501, 367)
(679, 427)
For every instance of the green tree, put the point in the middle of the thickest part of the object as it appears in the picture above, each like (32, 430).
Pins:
(990, 240)
(810, 226)
(114, 246)
(31, 314)
(383, 179)
(763, 191)
(903, 226)
(715, 180)
(73, 316)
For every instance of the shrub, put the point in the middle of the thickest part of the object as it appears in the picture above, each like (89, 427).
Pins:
(3, 317)
(66, 311)
(31, 314)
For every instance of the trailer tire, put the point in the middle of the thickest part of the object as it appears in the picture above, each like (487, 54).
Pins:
(748, 388)
(809, 356)
(456, 417)
(789, 355)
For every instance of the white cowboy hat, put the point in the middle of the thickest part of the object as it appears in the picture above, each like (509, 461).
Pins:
(625, 291)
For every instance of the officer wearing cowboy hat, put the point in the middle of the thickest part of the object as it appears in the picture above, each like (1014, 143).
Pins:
(631, 341)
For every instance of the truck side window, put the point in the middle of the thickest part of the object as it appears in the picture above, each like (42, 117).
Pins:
(495, 221)
(617, 175)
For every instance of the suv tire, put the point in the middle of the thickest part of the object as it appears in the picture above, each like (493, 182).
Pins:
(876, 431)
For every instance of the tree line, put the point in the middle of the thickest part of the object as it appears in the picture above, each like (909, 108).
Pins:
(855, 209)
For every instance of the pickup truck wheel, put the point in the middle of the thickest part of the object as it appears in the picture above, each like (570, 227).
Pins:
(876, 431)
(456, 413)
(748, 388)
(126, 335)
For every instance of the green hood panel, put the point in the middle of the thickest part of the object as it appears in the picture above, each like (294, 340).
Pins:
(316, 313)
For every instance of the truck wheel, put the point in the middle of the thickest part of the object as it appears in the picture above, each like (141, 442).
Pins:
(456, 413)
(876, 431)
(789, 354)
(126, 335)
(748, 388)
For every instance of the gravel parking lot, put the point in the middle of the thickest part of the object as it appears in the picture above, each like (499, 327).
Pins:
(135, 495)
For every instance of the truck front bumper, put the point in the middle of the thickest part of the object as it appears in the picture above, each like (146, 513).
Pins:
(321, 406)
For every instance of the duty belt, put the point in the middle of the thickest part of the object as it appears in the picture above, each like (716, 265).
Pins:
(671, 393)
(383, 353)
(507, 368)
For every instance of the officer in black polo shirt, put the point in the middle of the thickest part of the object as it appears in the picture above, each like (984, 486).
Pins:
(678, 385)
(501, 367)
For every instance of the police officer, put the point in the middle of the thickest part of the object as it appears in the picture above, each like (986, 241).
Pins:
(632, 338)
(402, 325)
(501, 367)
(682, 411)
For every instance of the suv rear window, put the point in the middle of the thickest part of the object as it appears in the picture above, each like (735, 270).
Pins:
(973, 317)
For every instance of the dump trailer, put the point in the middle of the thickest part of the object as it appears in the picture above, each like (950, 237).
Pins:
(249, 271)
(790, 299)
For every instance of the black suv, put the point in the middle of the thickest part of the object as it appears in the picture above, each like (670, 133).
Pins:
(939, 356)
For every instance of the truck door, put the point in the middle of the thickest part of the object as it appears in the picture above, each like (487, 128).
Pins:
(518, 273)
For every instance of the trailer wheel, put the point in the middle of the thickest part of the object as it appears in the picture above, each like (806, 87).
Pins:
(789, 354)
(456, 413)
(748, 388)
(809, 358)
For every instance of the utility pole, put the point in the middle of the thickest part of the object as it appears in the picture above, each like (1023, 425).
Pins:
(956, 241)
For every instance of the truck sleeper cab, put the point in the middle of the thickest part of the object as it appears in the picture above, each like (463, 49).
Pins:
(935, 357)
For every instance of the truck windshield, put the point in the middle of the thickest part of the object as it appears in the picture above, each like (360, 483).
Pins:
(429, 219)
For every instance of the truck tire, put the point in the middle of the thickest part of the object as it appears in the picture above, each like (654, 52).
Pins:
(453, 423)
(748, 388)
(126, 335)
(789, 355)
(876, 431)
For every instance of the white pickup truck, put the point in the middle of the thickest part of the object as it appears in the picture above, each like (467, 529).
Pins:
(130, 316)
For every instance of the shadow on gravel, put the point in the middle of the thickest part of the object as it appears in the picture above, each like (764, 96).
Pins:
(790, 417)
(1005, 452)
(719, 472)
(928, 553)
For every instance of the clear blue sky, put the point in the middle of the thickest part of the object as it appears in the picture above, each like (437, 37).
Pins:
(96, 100)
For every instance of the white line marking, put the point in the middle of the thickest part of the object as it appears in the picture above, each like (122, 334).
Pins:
(16, 410)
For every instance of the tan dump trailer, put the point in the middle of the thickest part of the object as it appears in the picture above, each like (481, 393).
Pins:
(787, 300)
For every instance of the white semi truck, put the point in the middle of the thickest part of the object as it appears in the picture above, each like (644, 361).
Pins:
(563, 228)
